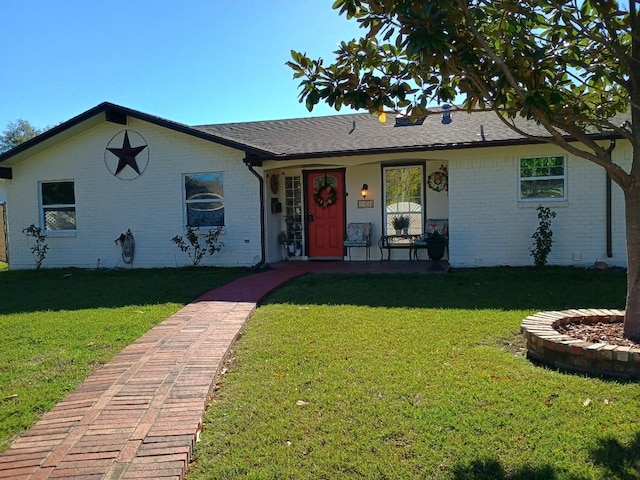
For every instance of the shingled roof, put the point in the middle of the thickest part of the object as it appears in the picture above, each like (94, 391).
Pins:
(362, 133)
(314, 137)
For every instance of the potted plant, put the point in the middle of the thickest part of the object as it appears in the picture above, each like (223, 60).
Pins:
(282, 238)
(298, 249)
(436, 244)
(400, 224)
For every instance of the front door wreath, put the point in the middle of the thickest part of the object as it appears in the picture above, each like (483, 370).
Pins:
(325, 195)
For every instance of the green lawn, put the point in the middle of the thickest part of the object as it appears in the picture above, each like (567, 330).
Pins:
(57, 326)
(373, 377)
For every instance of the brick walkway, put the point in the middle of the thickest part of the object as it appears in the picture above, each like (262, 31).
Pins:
(138, 416)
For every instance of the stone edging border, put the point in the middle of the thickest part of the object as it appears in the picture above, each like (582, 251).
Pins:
(547, 345)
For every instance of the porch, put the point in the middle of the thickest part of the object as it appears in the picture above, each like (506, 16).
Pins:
(310, 216)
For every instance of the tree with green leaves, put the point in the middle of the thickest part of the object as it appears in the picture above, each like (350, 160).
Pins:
(16, 133)
(573, 66)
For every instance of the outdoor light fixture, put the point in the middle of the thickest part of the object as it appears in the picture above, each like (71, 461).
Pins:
(364, 190)
(446, 114)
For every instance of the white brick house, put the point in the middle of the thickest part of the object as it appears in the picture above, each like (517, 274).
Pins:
(490, 203)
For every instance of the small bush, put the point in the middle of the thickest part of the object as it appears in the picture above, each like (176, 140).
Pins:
(543, 236)
(190, 244)
(39, 248)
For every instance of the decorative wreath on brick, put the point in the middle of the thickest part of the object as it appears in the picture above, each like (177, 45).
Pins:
(439, 180)
(325, 195)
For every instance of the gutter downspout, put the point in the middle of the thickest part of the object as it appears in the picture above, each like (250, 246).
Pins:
(608, 218)
(608, 211)
(249, 164)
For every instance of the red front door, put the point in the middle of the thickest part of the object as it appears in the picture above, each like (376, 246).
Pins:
(326, 213)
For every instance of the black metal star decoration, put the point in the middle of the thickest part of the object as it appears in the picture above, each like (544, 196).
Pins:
(127, 155)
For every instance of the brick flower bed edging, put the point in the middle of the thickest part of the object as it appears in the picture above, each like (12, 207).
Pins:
(547, 345)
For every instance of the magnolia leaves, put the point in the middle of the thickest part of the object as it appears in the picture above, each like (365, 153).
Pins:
(509, 56)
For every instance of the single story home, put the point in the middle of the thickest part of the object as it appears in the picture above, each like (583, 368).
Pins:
(270, 185)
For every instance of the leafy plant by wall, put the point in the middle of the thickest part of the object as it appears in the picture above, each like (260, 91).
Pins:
(543, 236)
(39, 246)
(192, 246)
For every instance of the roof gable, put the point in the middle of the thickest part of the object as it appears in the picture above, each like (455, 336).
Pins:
(110, 112)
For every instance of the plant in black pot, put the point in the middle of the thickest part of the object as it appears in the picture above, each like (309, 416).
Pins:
(436, 244)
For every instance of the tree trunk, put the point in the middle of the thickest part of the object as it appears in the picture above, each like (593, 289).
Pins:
(632, 316)
(632, 189)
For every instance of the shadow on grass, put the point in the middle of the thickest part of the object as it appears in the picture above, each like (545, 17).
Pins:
(494, 288)
(483, 288)
(621, 461)
(491, 469)
(75, 289)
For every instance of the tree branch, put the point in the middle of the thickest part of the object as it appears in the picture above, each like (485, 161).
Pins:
(485, 45)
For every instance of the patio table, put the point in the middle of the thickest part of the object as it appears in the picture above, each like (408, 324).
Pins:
(405, 242)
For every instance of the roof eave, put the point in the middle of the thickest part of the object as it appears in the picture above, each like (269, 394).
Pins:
(421, 148)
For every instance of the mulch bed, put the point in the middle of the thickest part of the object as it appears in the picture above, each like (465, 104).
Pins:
(598, 333)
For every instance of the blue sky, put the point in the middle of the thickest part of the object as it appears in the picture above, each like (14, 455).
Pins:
(190, 61)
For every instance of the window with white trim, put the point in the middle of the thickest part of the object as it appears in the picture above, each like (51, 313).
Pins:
(542, 178)
(204, 199)
(57, 206)
(403, 196)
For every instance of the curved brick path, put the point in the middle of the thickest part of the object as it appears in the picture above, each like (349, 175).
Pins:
(138, 416)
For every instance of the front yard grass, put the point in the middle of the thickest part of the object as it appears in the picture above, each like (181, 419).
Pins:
(57, 326)
(424, 377)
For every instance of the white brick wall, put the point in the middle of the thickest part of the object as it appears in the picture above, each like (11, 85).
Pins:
(489, 226)
(150, 205)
